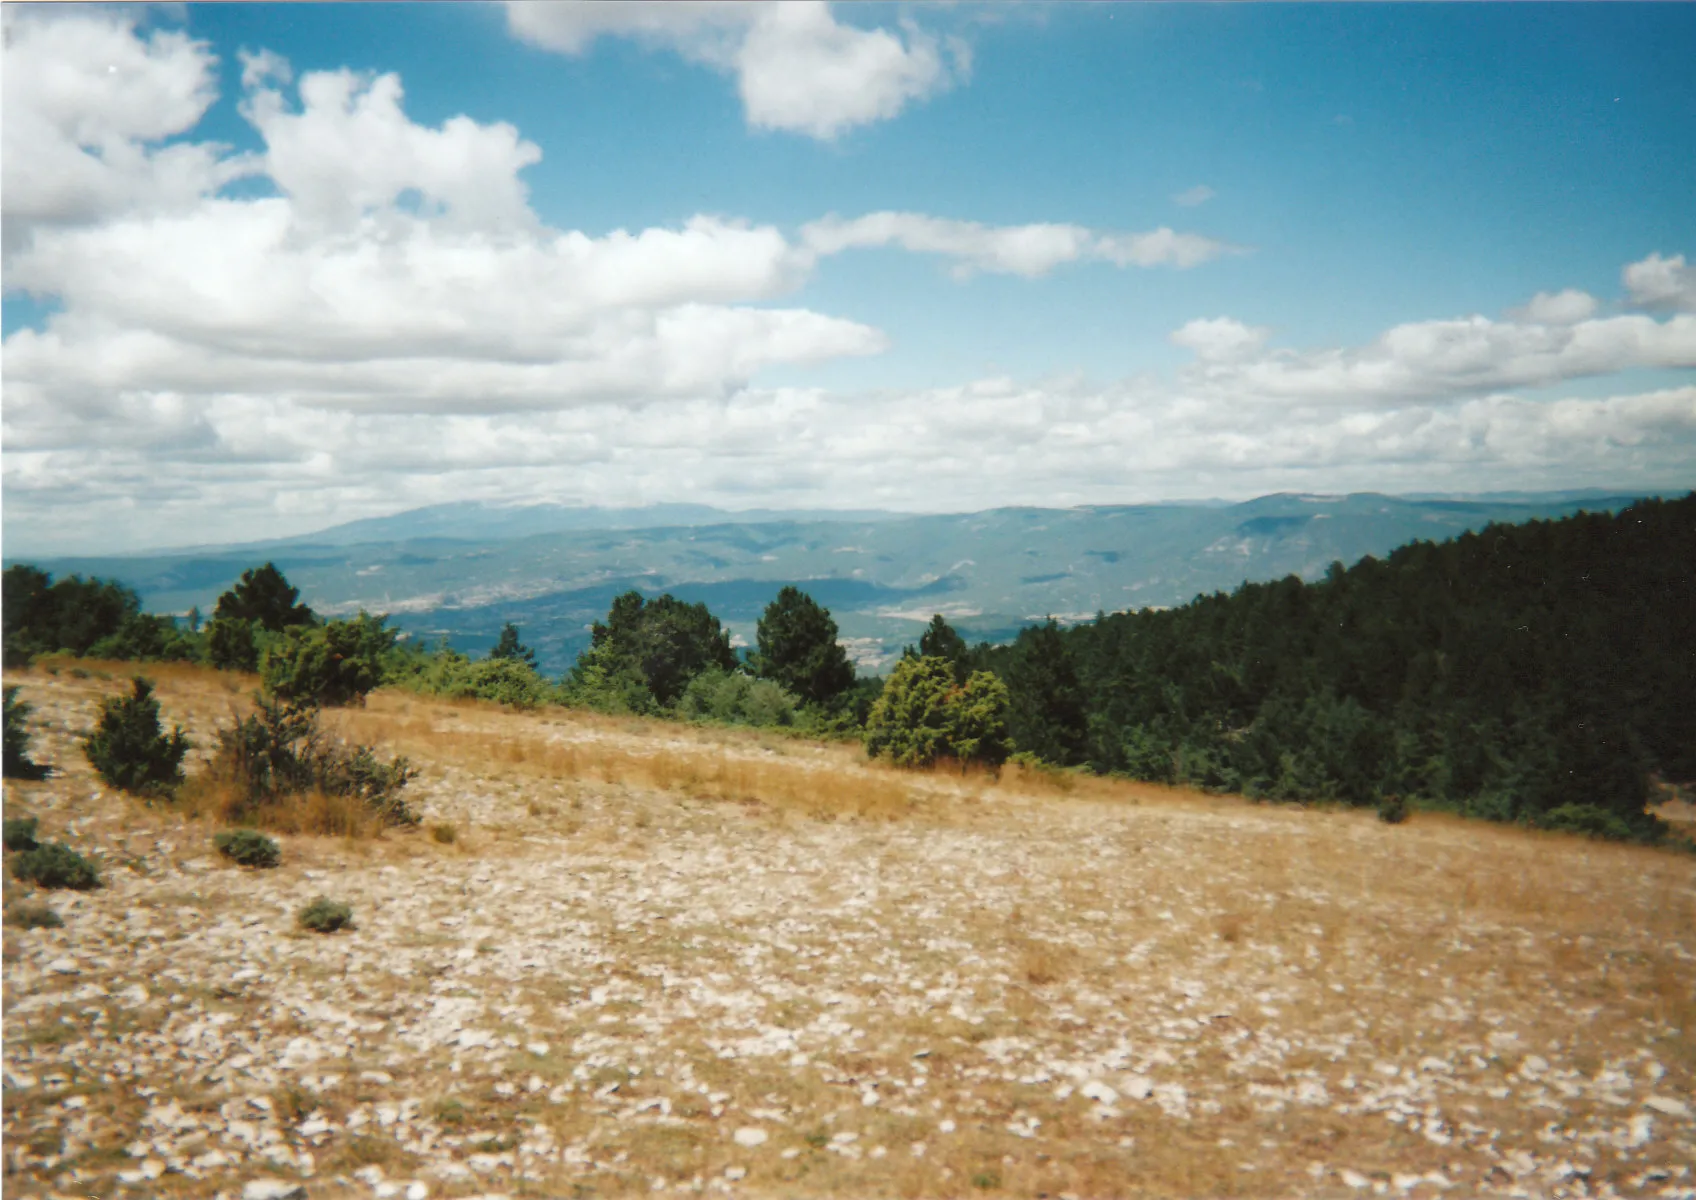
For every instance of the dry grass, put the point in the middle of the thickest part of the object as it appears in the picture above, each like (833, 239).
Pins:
(741, 931)
(711, 765)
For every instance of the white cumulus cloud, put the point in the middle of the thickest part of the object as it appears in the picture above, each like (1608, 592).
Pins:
(90, 106)
(1661, 283)
(1440, 358)
(350, 148)
(1220, 339)
(1567, 307)
(1028, 250)
(797, 68)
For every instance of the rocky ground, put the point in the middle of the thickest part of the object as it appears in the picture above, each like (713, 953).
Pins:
(661, 960)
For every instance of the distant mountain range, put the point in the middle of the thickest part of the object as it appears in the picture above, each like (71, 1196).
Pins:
(476, 520)
(462, 570)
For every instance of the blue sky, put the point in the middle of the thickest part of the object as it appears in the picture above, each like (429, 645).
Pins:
(1128, 252)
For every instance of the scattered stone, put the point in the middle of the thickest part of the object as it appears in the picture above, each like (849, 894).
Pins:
(1667, 1106)
(1099, 1092)
(272, 1189)
(750, 1135)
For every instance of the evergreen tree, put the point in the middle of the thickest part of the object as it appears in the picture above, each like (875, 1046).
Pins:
(18, 764)
(266, 599)
(510, 647)
(72, 615)
(939, 640)
(664, 642)
(130, 750)
(231, 644)
(798, 648)
(1046, 713)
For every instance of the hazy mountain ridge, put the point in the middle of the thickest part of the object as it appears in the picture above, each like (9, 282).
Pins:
(881, 574)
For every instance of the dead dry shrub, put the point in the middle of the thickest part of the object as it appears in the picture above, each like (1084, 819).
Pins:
(278, 770)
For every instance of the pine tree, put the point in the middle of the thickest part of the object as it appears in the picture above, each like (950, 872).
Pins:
(798, 648)
(510, 647)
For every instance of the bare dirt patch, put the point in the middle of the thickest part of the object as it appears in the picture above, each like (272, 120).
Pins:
(651, 958)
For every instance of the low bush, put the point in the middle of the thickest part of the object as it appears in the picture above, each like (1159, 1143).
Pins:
(130, 750)
(331, 664)
(1588, 819)
(1392, 809)
(18, 764)
(20, 833)
(278, 753)
(444, 833)
(33, 916)
(324, 915)
(737, 699)
(924, 715)
(52, 865)
(248, 847)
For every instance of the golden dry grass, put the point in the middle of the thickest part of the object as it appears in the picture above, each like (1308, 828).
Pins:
(969, 951)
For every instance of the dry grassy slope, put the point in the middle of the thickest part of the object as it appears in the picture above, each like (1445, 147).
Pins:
(660, 958)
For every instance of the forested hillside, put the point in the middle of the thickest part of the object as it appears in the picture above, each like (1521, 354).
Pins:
(1541, 671)
(466, 572)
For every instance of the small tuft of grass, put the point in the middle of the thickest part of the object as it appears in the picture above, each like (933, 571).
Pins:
(248, 848)
(20, 834)
(33, 916)
(324, 915)
(53, 865)
(292, 1104)
(1393, 809)
(443, 833)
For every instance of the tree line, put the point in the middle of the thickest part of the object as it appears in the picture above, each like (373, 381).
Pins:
(1542, 672)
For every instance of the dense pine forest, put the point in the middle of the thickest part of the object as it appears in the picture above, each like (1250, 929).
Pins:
(1542, 673)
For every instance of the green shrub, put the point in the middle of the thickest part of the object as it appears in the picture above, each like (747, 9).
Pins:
(248, 847)
(279, 751)
(444, 833)
(324, 915)
(128, 748)
(42, 617)
(18, 764)
(604, 683)
(1392, 809)
(1588, 819)
(923, 715)
(52, 865)
(232, 644)
(737, 699)
(331, 664)
(20, 833)
(148, 637)
(33, 916)
(509, 681)
(663, 641)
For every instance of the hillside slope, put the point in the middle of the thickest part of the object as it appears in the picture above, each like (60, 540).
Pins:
(657, 957)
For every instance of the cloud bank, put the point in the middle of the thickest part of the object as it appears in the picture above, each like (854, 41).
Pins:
(385, 322)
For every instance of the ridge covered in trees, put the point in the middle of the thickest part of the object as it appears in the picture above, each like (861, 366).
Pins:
(1542, 672)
